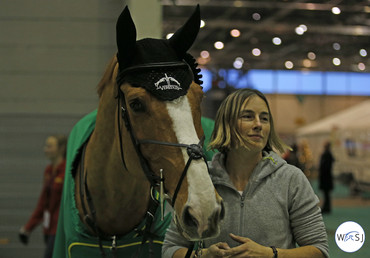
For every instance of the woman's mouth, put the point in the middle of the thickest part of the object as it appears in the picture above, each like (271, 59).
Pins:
(255, 136)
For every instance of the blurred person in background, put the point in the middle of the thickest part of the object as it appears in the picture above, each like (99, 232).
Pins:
(47, 208)
(292, 157)
(325, 176)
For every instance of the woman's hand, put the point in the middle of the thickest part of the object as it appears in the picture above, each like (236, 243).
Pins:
(216, 250)
(248, 248)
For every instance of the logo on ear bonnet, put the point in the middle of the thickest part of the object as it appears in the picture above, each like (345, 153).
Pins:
(165, 83)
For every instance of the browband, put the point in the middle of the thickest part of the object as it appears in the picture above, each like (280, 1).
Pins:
(149, 66)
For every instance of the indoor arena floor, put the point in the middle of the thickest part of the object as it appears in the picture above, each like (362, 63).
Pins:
(15, 207)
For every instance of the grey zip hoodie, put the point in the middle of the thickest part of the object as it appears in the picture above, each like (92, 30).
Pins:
(277, 208)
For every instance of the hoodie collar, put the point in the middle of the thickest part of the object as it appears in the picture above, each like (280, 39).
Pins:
(269, 163)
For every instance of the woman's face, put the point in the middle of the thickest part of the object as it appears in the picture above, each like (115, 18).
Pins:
(51, 148)
(254, 123)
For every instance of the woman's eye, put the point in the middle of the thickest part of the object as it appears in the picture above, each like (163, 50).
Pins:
(265, 119)
(247, 116)
(137, 106)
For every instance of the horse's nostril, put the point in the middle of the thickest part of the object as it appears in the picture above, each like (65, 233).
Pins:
(218, 215)
(189, 219)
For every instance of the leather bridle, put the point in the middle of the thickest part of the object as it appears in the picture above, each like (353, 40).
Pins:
(195, 152)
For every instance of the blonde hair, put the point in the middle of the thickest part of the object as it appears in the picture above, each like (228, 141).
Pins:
(225, 134)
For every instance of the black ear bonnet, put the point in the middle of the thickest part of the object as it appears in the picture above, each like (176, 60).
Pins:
(160, 66)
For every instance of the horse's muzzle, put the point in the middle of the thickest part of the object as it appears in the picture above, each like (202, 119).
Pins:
(195, 227)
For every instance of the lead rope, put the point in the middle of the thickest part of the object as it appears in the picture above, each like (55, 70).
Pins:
(198, 251)
(190, 250)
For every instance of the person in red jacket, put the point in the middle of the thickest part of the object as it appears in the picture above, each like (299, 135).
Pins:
(47, 208)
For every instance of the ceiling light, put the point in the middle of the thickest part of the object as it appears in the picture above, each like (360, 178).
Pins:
(361, 66)
(239, 59)
(238, 4)
(202, 23)
(276, 41)
(289, 64)
(336, 61)
(169, 35)
(311, 55)
(304, 27)
(219, 45)
(363, 52)
(335, 10)
(237, 64)
(307, 63)
(299, 30)
(256, 51)
(202, 61)
(256, 16)
(336, 46)
(235, 33)
(310, 6)
(204, 54)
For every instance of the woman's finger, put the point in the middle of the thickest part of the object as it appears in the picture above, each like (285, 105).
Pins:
(238, 238)
(223, 245)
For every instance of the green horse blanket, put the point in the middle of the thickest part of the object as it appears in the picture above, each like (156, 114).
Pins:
(73, 239)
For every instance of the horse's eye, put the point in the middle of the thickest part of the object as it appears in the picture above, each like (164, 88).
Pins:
(137, 106)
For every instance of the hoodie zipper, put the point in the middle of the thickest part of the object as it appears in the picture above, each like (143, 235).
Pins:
(241, 215)
(242, 205)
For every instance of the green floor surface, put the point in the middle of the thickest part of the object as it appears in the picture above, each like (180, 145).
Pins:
(361, 215)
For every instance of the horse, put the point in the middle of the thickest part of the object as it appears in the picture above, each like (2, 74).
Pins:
(143, 144)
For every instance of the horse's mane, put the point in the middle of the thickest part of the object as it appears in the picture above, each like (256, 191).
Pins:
(109, 76)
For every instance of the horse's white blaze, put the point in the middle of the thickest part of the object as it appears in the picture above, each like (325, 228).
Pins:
(201, 193)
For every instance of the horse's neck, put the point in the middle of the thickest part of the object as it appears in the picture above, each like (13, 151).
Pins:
(120, 197)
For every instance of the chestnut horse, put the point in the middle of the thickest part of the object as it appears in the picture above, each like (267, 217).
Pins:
(147, 133)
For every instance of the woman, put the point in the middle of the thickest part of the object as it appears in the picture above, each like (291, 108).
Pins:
(270, 205)
(47, 209)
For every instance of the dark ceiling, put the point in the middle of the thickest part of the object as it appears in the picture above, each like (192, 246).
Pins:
(350, 29)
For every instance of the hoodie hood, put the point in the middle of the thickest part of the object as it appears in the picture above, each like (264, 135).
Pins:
(269, 164)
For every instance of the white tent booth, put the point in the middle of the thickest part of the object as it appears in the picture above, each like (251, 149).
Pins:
(349, 133)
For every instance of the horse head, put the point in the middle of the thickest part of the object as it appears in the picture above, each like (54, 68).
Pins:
(162, 109)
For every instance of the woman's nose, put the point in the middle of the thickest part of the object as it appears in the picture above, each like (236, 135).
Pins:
(257, 124)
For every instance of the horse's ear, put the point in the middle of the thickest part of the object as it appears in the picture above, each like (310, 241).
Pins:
(184, 37)
(126, 38)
